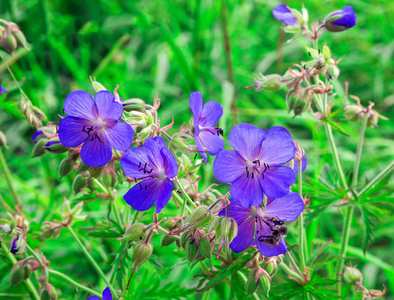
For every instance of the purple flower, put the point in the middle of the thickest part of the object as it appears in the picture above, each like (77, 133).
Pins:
(2, 90)
(206, 133)
(341, 20)
(304, 164)
(264, 227)
(106, 295)
(255, 167)
(283, 14)
(37, 135)
(154, 164)
(95, 124)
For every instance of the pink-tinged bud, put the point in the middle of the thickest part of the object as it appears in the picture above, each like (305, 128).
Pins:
(167, 240)
(251, 284)
(200, 216)
(21, 271)
(134, 232)
(141, 253)
(352, 275)
(191, 250)
(354, 113)
(48, 292)
(205, 247)
(272, 266)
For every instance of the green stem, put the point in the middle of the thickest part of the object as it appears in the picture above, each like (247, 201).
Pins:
(13, 77)
(291, 257)
(301, 219)
(359, 151)
(165, 231)
(291, 272)
(186, 194)
(21, 296)
(378, 177)
(28, 284)
(179, 199)
(44, 267)
(8, 177)
(92, 261)
(71, 281)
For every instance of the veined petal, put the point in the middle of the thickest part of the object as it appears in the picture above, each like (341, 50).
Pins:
(202, 150)
(285, 15)
(277, 181)
(107, 294)
(120, 136)
(213, 143)
(286, 209)
(236, 211)
(80, 104)
(228, 166)
(142, 196)
(164, 194)
(277, 149)
(247, 191)
(154, 146)
(71, 132)
(133, 160)
(304, 165)
(169, 163)
(196, 125)
(195, 102)
(211, 113)
(246, 139)
(276, 129)
(107, 108)
(96, 152)
(265, 249)
(93, 298)
(245, 235)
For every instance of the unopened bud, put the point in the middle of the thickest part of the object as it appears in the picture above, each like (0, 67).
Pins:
(373, 119)
(333, 72)
(271, 82)
(133, 104)
(19, 273)
(191, 250)
(134, 232)
(301, 105)
(228, 229)
(184, 237)
(48, 292)
(265, 285)
(3, 140)
(82, 167)
(179, 143)
(54, 145)
(200, 216)
(9, 42)
(205, 247)
(167, 240)
(251, 284)
(18, 246)
(271, 266)
(354, 113)
(39, 148)
(98, 86)
(352, 275)
(79, 183)
(66, 166)
(141, 253)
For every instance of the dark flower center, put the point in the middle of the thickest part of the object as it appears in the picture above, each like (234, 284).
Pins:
(88, 130)
(255, 168)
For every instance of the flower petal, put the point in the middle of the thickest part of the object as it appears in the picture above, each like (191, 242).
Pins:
(96, 152)
(80, 104)
(247, 191)
(277, 149)
(169, 163)
(120, 136)
(211, 113)
(213, 143)
(195, 102)
(164, 194)
(107, 108)
(246, 139)
(71, 132)
(202, 150)
(154, 146)
(286, 209)
(245, 235)
(133, 160)
(274, 129)
(277, 181)
(283, 14)
(142, 196)
(304, 164)
(107, 294)
(236, 211)
(93, 298)
(268, 250)
(228, 166)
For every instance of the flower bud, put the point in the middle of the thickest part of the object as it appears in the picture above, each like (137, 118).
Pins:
(251, 284)
(9, 42)
(271, 82)
(340, 20)
(82, 167)
(48, 292)
(179, 143)
(96, 172)
(205, 247)
(133, 104)
(333, 72)
(79, 183)
(184, 237)
(352, 275)
(272, 266)
(265, 285)
(200, 216)
(3, 140)
(141, 253)
(354, 113)
(373, 119)
(167, 240)
(54, 145)
(5, 228)
(19, 273)
(39, 148)
(191, 250)
(18, 246)
(301, 105)
(134, 232)
(228, 229)
(66, 166)
(97, 86)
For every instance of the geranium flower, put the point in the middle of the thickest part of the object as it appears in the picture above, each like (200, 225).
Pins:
(258, 226)
(95, 124)
(304, 164)
(106, 295)
(206, 133)
(283, 14)
(154, 164)
(341, 20)
(255, 167)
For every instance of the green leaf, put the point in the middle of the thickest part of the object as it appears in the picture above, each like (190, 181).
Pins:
(367, 217)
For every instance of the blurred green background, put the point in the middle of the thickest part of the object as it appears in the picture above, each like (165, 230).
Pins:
(174, 48)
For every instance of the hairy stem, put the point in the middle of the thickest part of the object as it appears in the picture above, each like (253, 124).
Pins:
(28, 284)
(359, 151)
(185, 194)
(45, 269)
(291, 272)
(73, 282)
(301, 220)
(8, 177)
(92, 261)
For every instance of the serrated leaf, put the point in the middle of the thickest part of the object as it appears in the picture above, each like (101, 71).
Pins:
(367, 218)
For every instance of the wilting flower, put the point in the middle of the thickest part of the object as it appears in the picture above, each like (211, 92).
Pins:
(106, 295)
(154, 164)
(206, 133)
(340, 20)
(95, 124)
(264, 228)
(255, 168)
